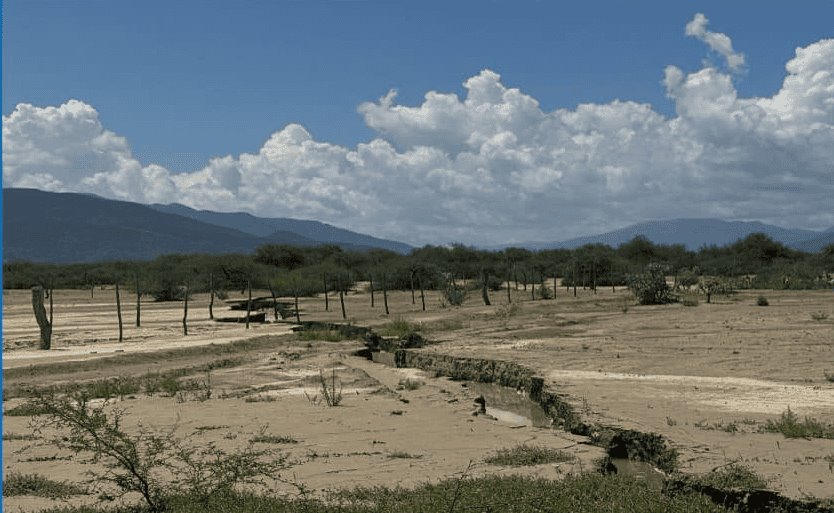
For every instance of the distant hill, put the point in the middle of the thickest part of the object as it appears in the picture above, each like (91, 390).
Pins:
(694, 233)
(815, 244)
(265, 227)
(53, 227)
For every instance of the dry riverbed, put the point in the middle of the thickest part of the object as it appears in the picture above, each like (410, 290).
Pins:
(706, 377)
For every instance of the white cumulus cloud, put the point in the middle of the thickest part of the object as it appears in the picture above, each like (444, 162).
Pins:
(718, 42)
(491, 166)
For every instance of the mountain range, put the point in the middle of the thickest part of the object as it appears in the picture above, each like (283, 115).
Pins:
(52, 227)
(41, 226)
(695, 233)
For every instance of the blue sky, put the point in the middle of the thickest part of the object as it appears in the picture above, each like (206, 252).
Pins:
(188, 80)
(184, 82)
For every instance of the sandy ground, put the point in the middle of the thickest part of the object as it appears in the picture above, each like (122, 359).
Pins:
(706, 377)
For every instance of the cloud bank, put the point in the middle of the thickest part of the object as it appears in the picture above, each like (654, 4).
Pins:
(492, 167)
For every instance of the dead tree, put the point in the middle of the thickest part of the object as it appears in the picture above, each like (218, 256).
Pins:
(185, 312)
(422, 293)
(248, 302)
(51, 295)
(119, 310)
(342, 298)
(532, 288)
(295, 295)
(411, 277)
(385, 294)
(44, 323)
(594, 275)
(509, 295)
(371, 278)
(211, 296)
(574, 279)
(138, 304)
(326, 299)
(274, 300)
(484, 290)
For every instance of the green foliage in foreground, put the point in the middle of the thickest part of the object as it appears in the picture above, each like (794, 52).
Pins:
(589, 493)
(733, 476)
(526, 455)
(789, 425)
(16, 483)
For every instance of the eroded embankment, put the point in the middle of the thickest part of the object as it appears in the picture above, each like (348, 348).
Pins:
(618, 442)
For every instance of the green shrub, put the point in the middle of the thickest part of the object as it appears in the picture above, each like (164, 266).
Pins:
(527, 455)
(399, 328)
(791, 427)
(762, 301)
(325, 335)
(274, 439)
(16, 483)
(454, 295)
(15, 436)
(651, 288)
(137, 463)
(732, 476)
(404, 455)
(27, 409)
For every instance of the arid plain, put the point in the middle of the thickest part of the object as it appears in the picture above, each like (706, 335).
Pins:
(707, 377)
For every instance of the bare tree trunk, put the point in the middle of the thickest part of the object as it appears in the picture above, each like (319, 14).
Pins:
(138, 304)
(295, 295)
(274, 301)
(532, 289)
(524, 279)
(509, 295)
(248, 302)
(372, 290)
(92, 289)
(119, 310)
(422, 294)
(411, 277)
(211, 296)
(326, 299)
(40, 315)
(51, 297)
(594, 275)
(574, 279)
(185, 312)
(342, 299)
(385, 294)
(484, 289)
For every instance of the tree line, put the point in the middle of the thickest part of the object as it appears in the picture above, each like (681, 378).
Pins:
(757, 261)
